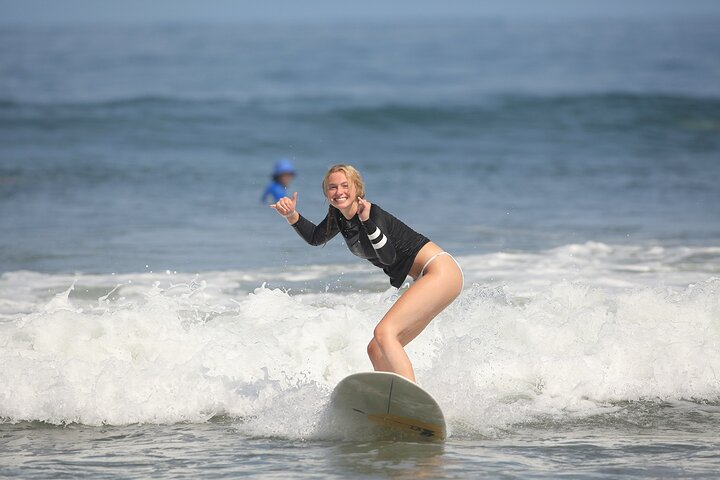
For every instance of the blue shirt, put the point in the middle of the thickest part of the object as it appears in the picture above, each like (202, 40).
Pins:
(275, 190)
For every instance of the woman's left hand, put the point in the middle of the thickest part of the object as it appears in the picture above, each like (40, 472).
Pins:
(363, 209)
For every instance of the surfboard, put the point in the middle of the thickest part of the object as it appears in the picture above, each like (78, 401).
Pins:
(383, 404)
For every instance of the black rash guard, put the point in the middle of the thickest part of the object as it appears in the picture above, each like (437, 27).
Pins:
(382, 239)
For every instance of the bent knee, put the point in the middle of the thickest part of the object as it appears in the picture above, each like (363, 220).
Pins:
(373, 349)
(383, 334)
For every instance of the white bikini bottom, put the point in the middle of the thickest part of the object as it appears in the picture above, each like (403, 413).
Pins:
(422, 272)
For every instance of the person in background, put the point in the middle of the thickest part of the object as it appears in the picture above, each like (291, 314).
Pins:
(282, 175)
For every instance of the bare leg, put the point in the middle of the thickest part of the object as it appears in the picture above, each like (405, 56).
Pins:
(377, 358)
(411, 313)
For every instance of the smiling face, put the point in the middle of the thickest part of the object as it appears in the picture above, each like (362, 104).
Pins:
(340, 192)
(342, 186)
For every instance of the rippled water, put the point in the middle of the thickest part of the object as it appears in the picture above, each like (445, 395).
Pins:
(654, 442)
(157, 320)
(130, 146)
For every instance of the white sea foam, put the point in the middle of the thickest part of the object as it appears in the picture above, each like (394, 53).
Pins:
(567, 331)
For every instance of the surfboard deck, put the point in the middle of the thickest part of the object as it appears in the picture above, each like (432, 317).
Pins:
(386, 405)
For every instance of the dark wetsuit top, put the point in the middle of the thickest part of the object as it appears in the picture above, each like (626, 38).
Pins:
(383, 240)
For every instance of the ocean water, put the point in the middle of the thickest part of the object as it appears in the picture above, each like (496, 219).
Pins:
(157, 320)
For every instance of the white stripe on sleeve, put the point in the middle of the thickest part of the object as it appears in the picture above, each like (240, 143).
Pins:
(381, 243)
(375, 234)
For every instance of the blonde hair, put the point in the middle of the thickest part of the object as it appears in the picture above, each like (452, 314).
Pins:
(352, 175)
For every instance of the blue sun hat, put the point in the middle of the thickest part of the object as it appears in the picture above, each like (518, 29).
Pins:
(284, 166)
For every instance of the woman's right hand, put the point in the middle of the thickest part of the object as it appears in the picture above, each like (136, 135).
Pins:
(286, 207)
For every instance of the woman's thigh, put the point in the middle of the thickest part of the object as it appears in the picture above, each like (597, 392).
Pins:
(425, 298)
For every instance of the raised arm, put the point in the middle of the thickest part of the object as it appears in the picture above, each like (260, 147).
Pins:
(286, 207)
(308, 231)
(377, 236)
(315, 234)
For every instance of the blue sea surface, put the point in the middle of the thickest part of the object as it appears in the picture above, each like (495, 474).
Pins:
(157, 319)
(127, 146)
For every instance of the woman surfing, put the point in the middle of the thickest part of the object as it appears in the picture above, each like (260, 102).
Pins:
(375, 235)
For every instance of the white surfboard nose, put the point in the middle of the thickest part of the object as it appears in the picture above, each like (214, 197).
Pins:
(385, 405)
